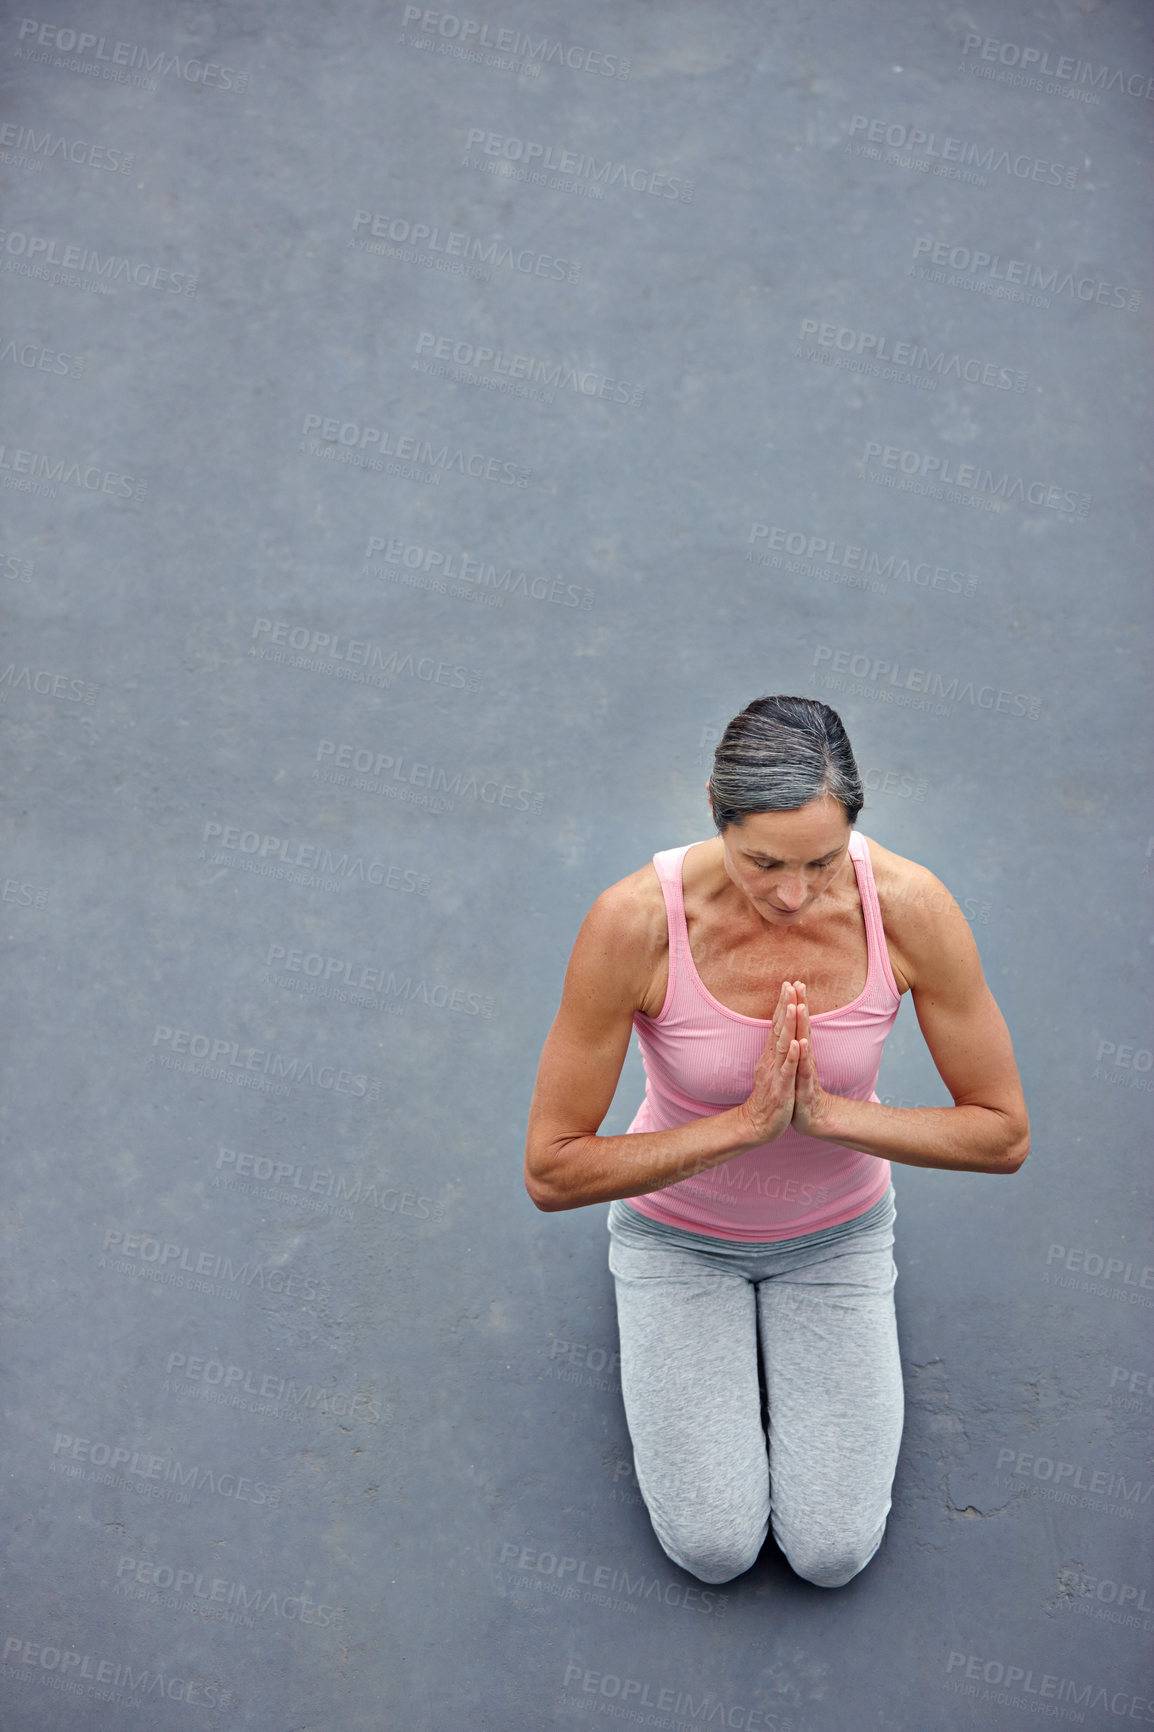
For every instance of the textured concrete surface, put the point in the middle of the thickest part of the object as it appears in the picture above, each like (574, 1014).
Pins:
(422, 431)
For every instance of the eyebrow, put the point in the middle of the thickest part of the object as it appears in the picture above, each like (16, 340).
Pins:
(772, 860)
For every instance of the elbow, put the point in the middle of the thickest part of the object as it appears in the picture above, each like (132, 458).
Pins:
(548, 1203)
(1015, 1155)
(542, 1194)
(550, 1174)
(538, 1195)
(1008, 1147)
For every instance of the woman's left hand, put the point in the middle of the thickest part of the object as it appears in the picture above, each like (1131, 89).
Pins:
(810, 1101)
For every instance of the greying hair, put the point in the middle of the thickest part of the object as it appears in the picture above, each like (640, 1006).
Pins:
(778, 755)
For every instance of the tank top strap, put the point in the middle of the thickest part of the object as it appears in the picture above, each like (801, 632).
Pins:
(667, 864)
(879, 955)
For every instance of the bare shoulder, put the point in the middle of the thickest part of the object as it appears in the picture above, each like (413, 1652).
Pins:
(916, 909)
(631, 913)
(621, 946)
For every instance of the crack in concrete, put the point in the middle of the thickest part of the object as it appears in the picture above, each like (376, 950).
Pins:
(986, 1514)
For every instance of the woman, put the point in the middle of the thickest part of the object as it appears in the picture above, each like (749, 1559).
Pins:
(751, 1195)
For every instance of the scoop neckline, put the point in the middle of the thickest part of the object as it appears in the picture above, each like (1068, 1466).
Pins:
(767, 1021)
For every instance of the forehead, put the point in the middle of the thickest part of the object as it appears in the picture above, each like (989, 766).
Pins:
(797, 838)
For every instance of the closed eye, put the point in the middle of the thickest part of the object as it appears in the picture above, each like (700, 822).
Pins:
(761, 866)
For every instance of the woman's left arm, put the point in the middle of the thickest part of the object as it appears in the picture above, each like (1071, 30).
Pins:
(987, 1130)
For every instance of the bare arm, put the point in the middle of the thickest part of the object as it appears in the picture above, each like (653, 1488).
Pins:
(987, 1130)
(567, 1165)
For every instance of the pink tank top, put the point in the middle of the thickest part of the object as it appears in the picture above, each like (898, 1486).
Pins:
(699, 1059)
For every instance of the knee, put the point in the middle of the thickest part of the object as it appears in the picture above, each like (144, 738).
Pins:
(710, 1555)
(830, 1564)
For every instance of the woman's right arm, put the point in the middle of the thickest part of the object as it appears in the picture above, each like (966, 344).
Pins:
(567, 1165)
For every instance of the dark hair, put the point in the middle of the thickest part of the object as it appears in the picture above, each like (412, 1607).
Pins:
(778, 755)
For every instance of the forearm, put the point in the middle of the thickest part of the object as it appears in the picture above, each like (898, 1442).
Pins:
(581, 1170)
(971, 1139)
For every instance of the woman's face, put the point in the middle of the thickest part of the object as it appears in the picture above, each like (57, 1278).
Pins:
(783, 862)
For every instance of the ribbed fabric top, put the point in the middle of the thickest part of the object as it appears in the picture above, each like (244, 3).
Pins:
(700, 1057)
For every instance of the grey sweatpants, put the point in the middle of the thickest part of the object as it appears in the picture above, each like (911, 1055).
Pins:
(690, 1311)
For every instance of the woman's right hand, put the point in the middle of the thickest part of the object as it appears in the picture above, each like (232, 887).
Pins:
(769, 1108)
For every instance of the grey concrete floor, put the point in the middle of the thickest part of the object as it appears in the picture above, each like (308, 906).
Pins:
(422, 432)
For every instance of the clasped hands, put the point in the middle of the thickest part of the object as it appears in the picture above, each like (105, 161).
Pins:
(785, 1086)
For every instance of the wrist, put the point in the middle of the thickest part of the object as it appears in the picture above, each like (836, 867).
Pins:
(746, 1134)
(824, 1122)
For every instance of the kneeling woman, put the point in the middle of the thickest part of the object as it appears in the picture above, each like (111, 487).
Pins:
(751, 1203)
